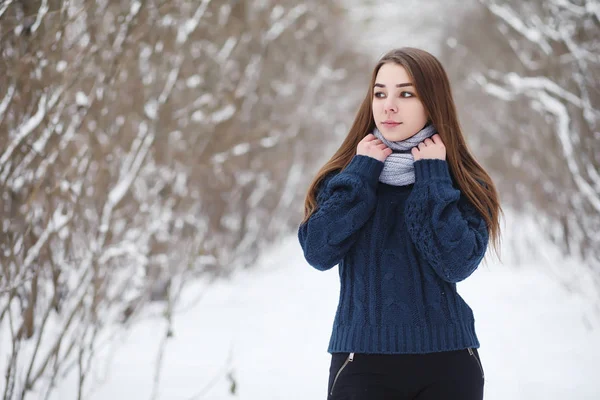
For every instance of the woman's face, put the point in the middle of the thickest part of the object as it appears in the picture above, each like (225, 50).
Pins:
(397, 111)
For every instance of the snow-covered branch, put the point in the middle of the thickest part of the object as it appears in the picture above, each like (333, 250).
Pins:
(112, 125)
(512, 19)
(530, 88)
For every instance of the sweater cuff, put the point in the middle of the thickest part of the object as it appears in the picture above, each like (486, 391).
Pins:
(367, 167)
(432, 169)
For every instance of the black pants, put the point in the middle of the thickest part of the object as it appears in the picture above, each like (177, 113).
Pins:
(452, 375)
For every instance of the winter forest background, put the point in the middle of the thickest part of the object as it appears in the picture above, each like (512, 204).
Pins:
(150, 146)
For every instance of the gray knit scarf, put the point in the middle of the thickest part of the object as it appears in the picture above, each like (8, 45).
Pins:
(398, 169)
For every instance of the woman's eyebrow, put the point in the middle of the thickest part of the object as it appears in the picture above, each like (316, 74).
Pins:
(398, 85)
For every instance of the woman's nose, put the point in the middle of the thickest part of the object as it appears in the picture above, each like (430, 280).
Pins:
(389, 106)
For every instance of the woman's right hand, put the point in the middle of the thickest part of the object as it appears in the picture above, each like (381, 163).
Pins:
(370, 146)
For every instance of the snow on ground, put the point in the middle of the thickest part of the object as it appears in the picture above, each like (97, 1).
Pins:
(269, 329)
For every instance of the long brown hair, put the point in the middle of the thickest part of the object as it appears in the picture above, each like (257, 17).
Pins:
(433, 88)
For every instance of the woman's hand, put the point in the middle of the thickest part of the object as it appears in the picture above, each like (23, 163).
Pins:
(430, 149)
(372, 147)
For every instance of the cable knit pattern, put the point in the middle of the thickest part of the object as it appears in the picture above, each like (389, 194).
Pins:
(350, 198)
(400, 251)
(445, 228)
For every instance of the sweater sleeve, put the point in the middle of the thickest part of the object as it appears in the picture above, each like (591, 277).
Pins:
(345, 202)
(445, 228)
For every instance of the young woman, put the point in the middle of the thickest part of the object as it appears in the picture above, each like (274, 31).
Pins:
(406, 212)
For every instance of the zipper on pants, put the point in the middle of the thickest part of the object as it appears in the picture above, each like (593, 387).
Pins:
(478, 362)
(348, 360)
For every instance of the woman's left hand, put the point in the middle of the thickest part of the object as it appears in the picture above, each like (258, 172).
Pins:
(430, 149)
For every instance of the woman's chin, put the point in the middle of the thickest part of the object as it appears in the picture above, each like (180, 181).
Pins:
(395, 136)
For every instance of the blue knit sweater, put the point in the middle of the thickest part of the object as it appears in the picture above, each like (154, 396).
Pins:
(400, 251)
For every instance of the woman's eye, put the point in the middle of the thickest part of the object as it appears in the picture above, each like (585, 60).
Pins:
(381, 95)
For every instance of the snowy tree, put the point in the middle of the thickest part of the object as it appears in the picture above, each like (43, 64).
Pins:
(527, 74)
(143, 145)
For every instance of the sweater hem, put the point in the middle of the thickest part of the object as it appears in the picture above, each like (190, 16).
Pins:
(401, 339)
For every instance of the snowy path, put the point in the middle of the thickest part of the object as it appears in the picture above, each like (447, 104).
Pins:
(276, 323)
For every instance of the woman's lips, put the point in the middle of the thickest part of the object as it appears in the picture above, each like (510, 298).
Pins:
(391, 124)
